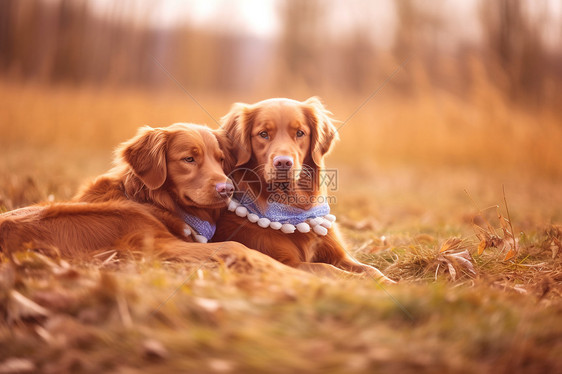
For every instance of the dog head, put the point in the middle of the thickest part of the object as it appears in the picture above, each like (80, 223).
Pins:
(281, 135)
(182, 161)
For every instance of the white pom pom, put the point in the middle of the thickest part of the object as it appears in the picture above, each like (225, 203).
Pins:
(303, 227)
(320, 230)
(314, 221)
(325, 223)
(200, 238)
(232, 205)
(264, 222)
(241, 211)
(330, 217)
(187, 231)
(287, 228)
(253, 217)
(275, 225)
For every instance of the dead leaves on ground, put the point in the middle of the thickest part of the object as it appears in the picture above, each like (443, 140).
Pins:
(34, 287)
(19, 307)
(59, 306)
(553, 240)
(452, 259)
(488, 236)
(17, 365)
(457, 262)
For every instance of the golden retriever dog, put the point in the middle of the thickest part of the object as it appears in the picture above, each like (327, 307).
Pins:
(279, 210)
(177, 170)
(164, 195)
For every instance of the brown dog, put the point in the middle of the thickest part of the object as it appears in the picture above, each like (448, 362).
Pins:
(280, 146)
(176, 170)
(163, 195)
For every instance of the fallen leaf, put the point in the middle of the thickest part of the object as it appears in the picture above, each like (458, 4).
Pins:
(482, 246)
(504, 222)
(510, 254)
(221, 366)
(452, 271)
(553, 240)
(488, 239)
(209, 305)
(20, 307)
(545, 287)
(520, 289)
(459, 262)
(65, 331)
(17, 365)
(56, 299)
(152, 349)
(7, 277)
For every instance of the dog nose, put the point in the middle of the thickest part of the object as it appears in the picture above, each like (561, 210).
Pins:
(225, 189)
(283, 162)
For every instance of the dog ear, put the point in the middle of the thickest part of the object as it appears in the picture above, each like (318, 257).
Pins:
(237, 125)
(324, 132)
(146, 154)
(227, 148)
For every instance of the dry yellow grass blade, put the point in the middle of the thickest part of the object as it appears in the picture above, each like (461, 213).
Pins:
(450, 244)
(507, 227)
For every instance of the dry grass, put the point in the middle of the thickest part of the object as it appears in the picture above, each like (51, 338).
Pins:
(403, 166)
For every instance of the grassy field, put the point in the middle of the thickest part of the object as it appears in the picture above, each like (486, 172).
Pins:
(414, 173)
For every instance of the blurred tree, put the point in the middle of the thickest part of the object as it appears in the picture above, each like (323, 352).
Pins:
(418, 35)
(419, 27)
(301, 42)
(69, 54)
(514, 42)
(6, 33)
(408, 18)
(360, 63)
(66, 41)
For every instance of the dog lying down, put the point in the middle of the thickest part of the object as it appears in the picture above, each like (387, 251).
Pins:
(280, 145)
(164, 195)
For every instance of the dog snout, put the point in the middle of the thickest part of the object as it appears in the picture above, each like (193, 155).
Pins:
(225, 190)
(283, 162)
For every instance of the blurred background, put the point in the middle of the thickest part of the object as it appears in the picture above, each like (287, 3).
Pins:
(467, 89)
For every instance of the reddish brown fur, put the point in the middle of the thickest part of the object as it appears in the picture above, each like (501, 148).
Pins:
(133, 207)
(281, 118)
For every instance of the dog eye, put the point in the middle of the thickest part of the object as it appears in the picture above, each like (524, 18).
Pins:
(264, 134)
(300, 134)
(189, 159)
